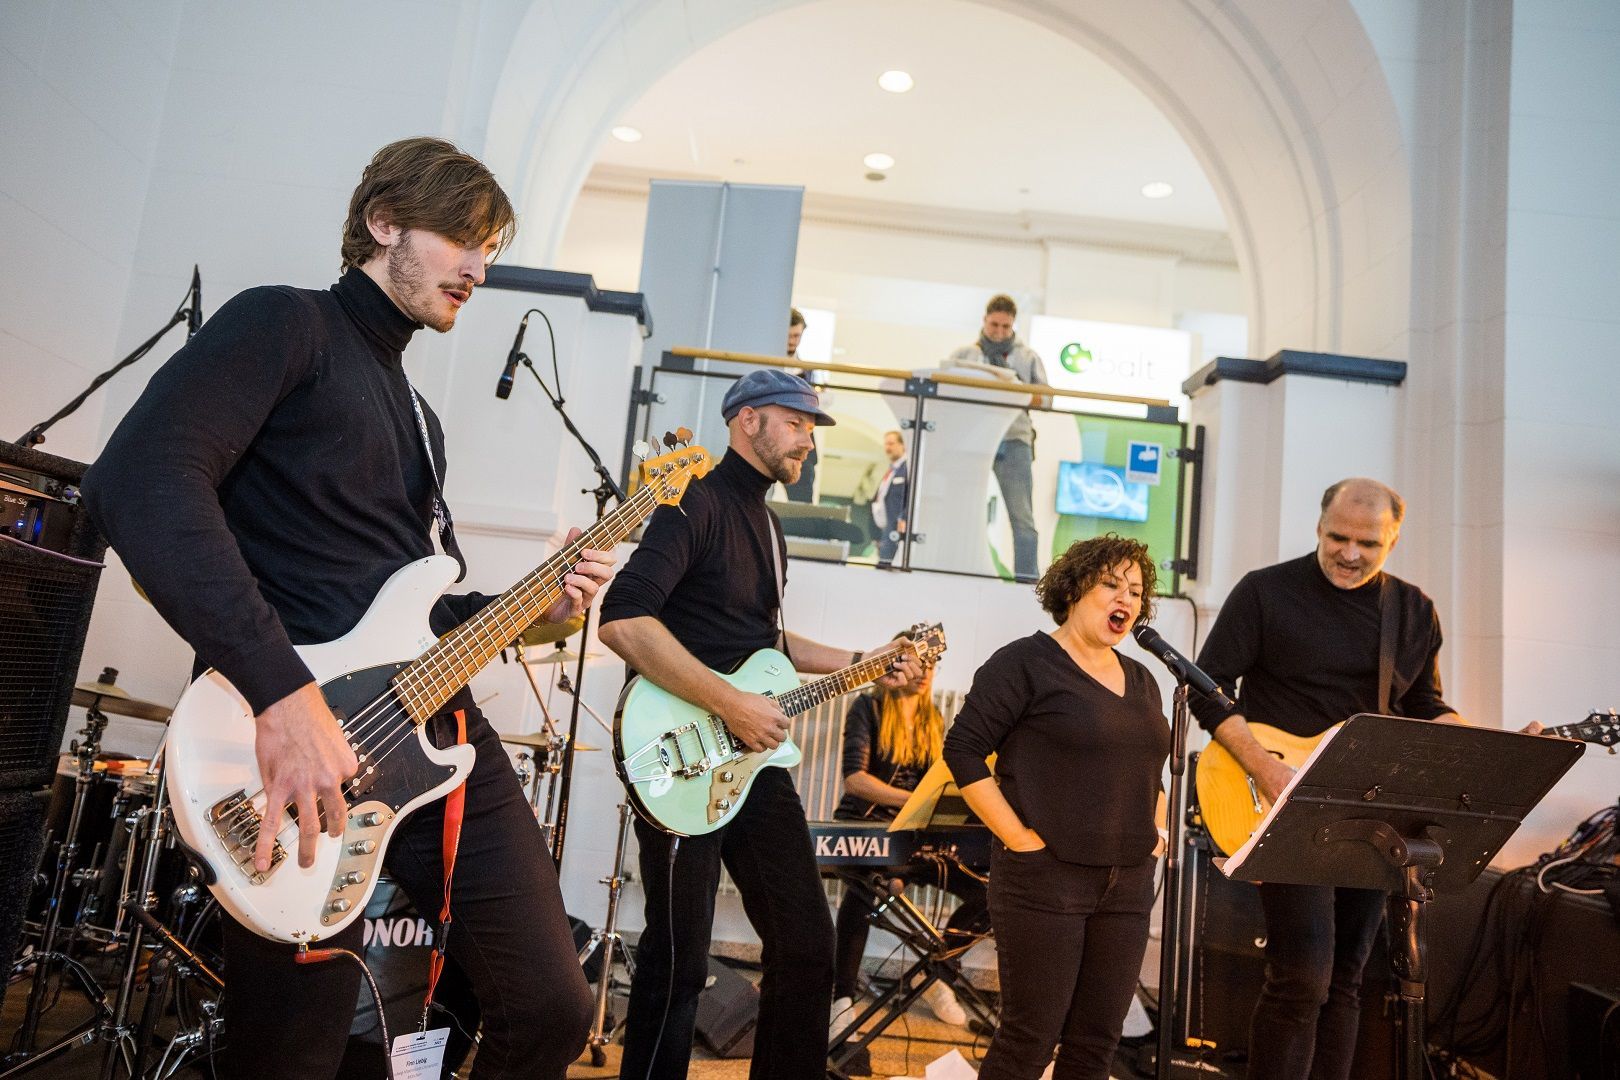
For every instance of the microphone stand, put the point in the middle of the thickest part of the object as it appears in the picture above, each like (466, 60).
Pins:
(606, 488)
(189, 311)
(1170, 912)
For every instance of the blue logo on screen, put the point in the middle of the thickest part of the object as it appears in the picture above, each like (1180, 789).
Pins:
(1093, 490)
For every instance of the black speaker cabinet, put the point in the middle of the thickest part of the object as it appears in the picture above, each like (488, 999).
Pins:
(50, 559)
(22, 841)
(1227, 966)
(728, 1011)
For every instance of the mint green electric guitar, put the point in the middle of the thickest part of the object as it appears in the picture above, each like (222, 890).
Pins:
(688, 774)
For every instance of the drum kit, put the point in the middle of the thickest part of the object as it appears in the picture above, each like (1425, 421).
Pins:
(119, 918)
(119, 905)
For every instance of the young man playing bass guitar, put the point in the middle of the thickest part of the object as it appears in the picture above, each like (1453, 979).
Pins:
(294, 471)
(702, 592)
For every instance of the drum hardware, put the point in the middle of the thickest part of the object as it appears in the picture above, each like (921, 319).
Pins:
(612, 945)
(47, 957)
(544, 766)
(164, 962)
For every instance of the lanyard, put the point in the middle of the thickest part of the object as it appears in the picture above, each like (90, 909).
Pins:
(441, 509)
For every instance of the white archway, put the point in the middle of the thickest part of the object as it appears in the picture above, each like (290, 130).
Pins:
(1286, 108)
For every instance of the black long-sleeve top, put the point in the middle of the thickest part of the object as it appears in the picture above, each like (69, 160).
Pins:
(1306, 651)
(271, 477)
(704, 568)
(1079, 764)
(862, 753)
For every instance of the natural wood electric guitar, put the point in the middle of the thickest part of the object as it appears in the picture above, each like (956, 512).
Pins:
(1230, 801)
(688, 774)
(383, 680)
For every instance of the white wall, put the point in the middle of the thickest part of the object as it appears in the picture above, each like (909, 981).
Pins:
(84, 88)
(1561, 462)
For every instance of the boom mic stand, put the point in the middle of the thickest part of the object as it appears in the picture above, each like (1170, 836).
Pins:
(189, 312)
(606, 488)
(1171, 909)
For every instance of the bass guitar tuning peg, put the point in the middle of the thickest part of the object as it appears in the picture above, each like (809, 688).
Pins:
(684, 436)
(641, 449)
(670, 440)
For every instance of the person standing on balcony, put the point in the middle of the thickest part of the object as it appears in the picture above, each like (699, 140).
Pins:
(998, 347)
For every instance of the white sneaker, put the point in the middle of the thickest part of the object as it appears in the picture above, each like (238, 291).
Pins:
(843, 1011)
(943, 1004)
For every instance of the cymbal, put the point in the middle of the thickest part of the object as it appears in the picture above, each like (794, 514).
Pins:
(116, 701)
(558, 655)
(544, 633)
(539, 740)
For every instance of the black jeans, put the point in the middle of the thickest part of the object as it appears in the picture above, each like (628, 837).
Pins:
(970, 917)
(1069, 946)
(768, 853)
(509, 937)
(1317, 941)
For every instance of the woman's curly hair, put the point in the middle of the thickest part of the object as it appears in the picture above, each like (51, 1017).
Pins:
(1074, 572)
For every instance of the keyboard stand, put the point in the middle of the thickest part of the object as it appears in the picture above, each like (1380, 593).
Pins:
(936, 960)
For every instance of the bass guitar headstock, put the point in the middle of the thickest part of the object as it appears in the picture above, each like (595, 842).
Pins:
(667, 475)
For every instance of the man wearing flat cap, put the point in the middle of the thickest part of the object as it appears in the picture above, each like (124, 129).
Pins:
(701, 594)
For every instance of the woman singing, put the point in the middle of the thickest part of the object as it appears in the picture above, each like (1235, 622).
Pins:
(1082, 740)
(891, 738)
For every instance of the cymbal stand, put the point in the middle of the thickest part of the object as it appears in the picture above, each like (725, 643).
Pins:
(546, 770)
(139, 902)
(46, 955)
(612, 945)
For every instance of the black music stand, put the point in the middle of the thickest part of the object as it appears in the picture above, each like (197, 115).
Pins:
(1405, 806)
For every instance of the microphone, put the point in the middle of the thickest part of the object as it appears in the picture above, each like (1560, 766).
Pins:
(503, 389)
(194, 315)
(1191, 673)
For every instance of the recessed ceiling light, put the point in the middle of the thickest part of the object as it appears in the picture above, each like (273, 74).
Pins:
(1158, 189)
(879, 161)
(896, 82)
(626, 133)
(877, 176)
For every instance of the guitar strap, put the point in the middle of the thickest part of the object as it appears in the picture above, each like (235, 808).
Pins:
(1389, 615)
(781, 582)
(441, 509)
(455, 805)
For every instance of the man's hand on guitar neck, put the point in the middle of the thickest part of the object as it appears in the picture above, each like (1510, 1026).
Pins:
(303, 757)
(580, 585)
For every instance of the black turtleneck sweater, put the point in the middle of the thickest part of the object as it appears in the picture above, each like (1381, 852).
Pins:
(704, 568)
(1307, 651)
(271, 477)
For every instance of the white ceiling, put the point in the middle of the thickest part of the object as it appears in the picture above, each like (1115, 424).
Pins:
(1005, 117)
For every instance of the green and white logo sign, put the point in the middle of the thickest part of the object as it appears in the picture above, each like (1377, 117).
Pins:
(1074, 357)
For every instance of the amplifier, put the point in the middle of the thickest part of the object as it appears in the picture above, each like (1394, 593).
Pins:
(22, 840)
(49, 568)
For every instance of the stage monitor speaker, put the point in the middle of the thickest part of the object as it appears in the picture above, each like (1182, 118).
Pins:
(1228, 961)
(50, 563)
(22, 841)
(728, 1011)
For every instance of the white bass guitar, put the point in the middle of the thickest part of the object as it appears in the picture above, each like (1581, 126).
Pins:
(383, 680)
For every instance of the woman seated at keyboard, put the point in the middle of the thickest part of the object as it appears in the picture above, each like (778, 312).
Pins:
(891, 737)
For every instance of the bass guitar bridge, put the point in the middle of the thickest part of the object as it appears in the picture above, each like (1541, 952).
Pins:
(235, 820)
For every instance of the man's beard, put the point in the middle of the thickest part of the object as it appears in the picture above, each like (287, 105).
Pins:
(406, 275)
(778, 463)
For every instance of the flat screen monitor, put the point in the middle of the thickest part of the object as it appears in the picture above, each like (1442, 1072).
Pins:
(1093, 490)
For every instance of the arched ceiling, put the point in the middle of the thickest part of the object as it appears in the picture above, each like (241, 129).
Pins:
(1005, 116)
